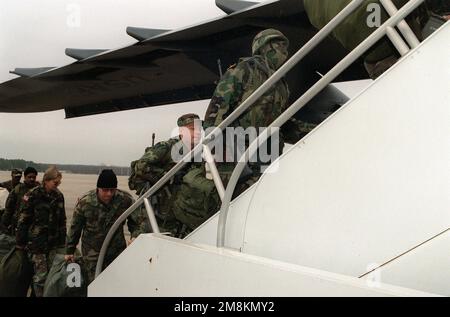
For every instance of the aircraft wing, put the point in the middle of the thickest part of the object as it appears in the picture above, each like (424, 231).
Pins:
(166, 67)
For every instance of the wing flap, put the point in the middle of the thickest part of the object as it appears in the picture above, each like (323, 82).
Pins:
(168, 66)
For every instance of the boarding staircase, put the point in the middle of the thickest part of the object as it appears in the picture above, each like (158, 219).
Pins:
(359, 207)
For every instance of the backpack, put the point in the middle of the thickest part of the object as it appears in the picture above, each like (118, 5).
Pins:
(132, 181)
(15, 274)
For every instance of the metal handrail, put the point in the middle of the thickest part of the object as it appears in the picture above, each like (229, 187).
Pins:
(402, 25)
(151, 216)
(275, 77)
(397, 40)
(214, 172)
(298, 104)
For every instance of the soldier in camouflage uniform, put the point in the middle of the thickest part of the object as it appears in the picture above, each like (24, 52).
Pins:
(197, 198)
(439, 7)
(355, 29)
(42, 226)
(270, 51)
(16, 175)
(12, 206)
(93, 216)
(156, 161)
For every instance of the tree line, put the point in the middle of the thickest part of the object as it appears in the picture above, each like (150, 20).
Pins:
(7, 165)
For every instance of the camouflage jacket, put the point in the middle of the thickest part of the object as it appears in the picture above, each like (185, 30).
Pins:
(237, 84)
(92, 220)
(7, 185)
(12, 206)
(42, 221)
(155, 162)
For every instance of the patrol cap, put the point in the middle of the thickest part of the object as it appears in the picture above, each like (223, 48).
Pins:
(15, 172)
(187, 119)
(107, 179)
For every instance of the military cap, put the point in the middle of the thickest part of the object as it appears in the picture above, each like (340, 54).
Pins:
(15, 172)
(187, 119)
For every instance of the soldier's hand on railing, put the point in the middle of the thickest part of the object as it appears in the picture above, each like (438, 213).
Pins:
(69, 258)
(131, 241)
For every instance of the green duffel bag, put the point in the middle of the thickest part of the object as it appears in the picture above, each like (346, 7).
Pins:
(15, 274)
(65, 279)
(6, 244)
(354, 29)
(197, 199)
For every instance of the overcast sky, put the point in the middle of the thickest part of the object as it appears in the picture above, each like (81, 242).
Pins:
(35, 34)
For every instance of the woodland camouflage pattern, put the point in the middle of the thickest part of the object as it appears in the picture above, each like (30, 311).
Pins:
(155, 162)
(42, 221)
(42, 228)
(269, 50)
(13, 204)
(146, 171)
(92, 220)
(197, 198)
(41, 266)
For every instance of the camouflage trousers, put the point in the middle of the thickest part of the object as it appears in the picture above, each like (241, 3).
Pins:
(41, 265)
(89, 269)
(89, 264)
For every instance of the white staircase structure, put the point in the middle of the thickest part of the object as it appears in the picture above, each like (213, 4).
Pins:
(359, 207)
